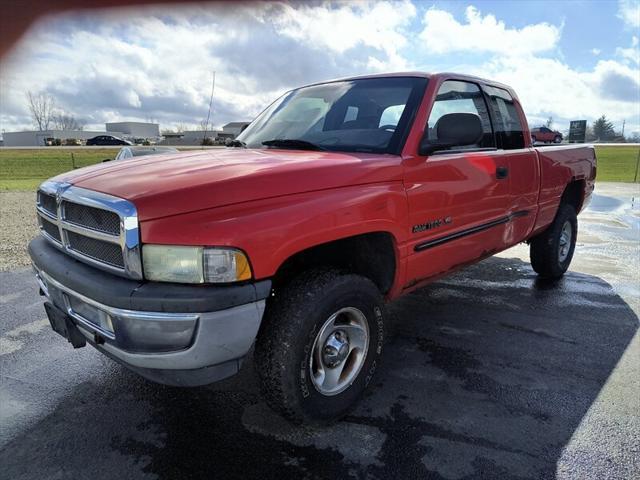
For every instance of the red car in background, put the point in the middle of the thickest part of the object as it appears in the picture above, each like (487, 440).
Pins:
(544, 134)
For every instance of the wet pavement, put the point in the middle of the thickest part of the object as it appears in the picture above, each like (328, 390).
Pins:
(489, 373)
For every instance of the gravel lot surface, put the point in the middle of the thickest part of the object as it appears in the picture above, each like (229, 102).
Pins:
(489, 373)
(18, 225)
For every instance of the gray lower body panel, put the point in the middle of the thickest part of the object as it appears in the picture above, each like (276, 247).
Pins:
(182, 349)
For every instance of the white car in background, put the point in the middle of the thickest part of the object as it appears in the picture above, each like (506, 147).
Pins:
(127, 153)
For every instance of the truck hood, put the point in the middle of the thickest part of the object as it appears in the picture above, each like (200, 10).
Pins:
(166, 185)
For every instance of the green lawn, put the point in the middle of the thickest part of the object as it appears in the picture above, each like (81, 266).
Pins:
(617, 164)
(25, 169)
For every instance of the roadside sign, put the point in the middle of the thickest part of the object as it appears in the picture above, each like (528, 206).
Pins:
(577, 131)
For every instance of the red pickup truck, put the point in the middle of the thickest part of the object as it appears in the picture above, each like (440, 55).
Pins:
(339, 197)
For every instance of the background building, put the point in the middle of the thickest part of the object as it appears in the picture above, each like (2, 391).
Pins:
(135, 129)
(38, 138)
(127, 130)
(234, 128)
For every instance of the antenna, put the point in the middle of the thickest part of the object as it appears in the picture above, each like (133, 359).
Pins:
(213, 85)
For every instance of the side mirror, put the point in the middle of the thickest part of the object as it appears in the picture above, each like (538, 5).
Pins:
(453, 129)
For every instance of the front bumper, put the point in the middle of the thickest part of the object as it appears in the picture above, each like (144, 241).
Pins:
(173, 334)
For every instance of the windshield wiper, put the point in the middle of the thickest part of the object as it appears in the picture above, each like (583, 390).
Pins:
(236, 143)
(292, 143)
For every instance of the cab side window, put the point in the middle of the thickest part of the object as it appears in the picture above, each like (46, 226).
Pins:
(461, 97)
(509, 132)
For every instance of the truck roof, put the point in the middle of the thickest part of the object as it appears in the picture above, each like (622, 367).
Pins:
(438, 75)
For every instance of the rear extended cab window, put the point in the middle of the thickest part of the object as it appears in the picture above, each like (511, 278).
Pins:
(507, 124)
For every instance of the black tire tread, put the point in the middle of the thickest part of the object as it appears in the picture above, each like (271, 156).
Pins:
(543, 250)
(280, 327)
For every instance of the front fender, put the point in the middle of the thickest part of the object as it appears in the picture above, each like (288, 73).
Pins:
(272, 230)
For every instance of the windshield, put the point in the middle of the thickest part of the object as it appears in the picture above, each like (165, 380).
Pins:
(367, 115)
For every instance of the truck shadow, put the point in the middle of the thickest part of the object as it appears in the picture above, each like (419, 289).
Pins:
(486, 374)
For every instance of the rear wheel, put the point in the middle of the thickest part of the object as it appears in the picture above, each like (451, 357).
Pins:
(320, 345)
(552, 250)
(533, 139)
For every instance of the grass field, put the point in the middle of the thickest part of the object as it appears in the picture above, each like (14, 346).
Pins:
(617, 164)
(25, 169)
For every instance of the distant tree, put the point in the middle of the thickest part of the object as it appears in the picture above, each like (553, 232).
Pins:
(41, 107)
(204, 125)
(603, 129)
(549, 122)
(66, 121)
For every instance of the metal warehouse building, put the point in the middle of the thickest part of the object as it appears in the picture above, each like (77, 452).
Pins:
(135, 129)
(37, 138)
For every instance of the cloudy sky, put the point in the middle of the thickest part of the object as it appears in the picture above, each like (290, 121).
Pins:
(568, 60)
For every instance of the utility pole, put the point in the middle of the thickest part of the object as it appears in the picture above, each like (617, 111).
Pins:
(623, 122)
(213, 85)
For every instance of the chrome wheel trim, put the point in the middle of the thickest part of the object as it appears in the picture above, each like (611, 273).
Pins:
(339, 351)
(564, 245)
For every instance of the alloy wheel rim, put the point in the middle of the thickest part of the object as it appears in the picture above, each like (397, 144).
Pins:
(339, 351)
(565, 241)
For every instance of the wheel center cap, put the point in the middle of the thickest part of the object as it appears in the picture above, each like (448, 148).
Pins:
(336, 349)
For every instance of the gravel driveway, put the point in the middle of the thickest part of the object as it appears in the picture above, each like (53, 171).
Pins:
(18, 225)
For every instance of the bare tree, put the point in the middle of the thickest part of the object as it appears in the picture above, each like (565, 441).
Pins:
(66, 121)
(204, 125)
(41, 107)
(549, 122)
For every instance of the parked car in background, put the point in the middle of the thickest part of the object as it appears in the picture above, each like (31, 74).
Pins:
(107, 140)
(126, 153)
(546, 135)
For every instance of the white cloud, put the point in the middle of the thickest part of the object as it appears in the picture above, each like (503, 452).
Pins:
(137, 65)
(550, 87)
(629, 12)
(631, 54)
(442, 33)
(596, 51)
(348, 25)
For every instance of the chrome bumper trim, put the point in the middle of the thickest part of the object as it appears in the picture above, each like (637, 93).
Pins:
(214, 337)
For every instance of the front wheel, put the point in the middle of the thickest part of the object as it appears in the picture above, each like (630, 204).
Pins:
(320, 345)
(552, 250)
(557, 139)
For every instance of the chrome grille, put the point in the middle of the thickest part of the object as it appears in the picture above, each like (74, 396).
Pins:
(48, 202)
(100, 250)
(93, 227)
(50, 228)
(93, 218)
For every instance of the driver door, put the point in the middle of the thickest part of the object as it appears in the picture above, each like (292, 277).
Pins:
(458, 198)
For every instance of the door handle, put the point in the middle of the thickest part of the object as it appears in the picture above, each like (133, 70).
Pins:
(502, 173)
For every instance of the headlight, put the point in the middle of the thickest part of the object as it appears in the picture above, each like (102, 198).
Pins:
(168, 263)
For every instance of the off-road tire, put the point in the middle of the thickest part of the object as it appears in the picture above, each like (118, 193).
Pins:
(292, 320)
(544, 249)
